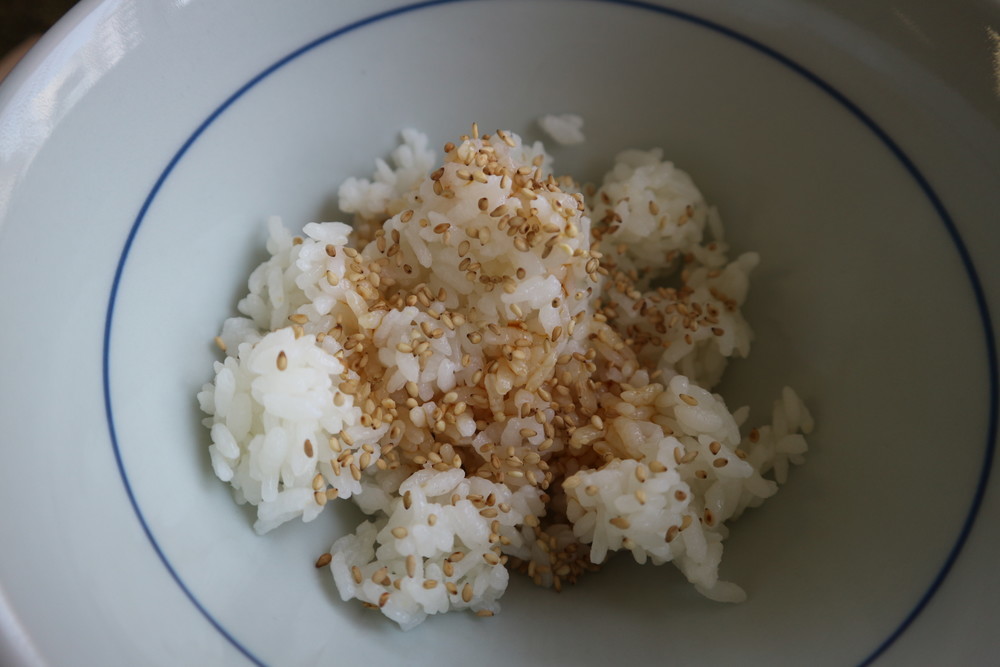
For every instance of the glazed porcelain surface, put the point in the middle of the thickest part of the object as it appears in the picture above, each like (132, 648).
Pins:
(143, 145)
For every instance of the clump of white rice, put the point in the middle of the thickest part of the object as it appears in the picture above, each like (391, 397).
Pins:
(565, 129)
(483, 365)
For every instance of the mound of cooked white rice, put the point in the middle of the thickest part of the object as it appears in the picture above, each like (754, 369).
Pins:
(483, 364)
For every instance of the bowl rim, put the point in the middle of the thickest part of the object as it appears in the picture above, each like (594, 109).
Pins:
(786, 61)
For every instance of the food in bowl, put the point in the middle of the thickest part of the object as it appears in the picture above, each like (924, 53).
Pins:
(506, 371)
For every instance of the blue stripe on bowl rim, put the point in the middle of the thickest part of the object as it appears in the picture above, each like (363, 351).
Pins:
(843, 100)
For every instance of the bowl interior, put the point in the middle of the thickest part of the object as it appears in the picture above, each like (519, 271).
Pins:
(862, 303)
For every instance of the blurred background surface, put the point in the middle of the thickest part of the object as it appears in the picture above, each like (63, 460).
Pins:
(22, 20)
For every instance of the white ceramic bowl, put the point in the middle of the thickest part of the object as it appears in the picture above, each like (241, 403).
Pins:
(142, 146)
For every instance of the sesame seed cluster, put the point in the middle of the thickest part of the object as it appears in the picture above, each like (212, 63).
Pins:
(505, 370)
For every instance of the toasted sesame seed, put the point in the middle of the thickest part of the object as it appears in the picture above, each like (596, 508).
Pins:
(687, 398)
(323, 560)
(399, 532)
(282, 361)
